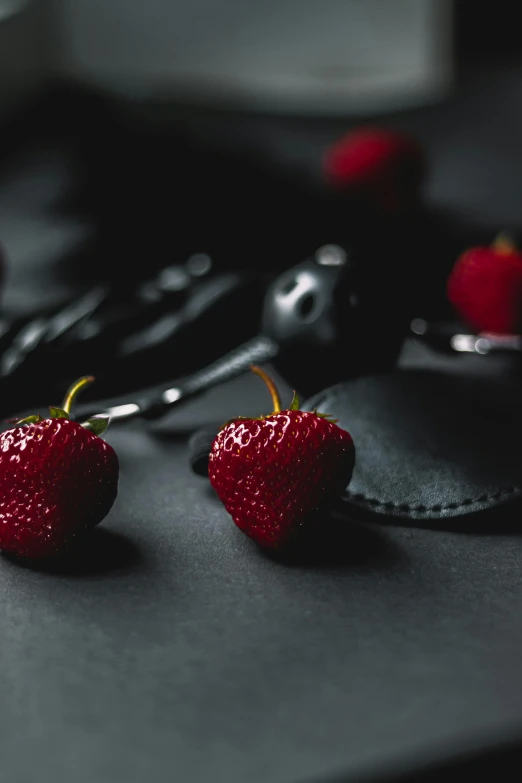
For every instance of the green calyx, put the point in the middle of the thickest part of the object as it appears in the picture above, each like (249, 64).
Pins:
(325, 416)
(58, 413)
(28, 420)
(294, 405)
(96, 424)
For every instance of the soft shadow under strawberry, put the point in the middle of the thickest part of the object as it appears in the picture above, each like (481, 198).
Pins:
(331, 542)
(98, 551)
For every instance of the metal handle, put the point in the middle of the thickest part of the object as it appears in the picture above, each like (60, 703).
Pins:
(256, 351)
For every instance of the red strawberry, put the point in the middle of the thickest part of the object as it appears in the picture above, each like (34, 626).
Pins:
(273, 472)
(384, 167)
(485, 287)
(57, 478)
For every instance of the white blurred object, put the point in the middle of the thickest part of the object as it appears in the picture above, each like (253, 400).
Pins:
(318, 56)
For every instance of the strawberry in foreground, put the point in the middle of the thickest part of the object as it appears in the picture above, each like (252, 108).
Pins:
(385, 167)
(57, 478)
(274, 472)
(485, 287)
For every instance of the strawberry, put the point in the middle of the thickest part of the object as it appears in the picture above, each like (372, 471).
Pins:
(272, 473)
(485, 287)
(57, 478)
(384, 167)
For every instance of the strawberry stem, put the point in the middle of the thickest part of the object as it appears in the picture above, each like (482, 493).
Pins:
(74, 390)
(276, 400)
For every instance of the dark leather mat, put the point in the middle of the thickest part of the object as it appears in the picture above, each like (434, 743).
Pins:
(430, 446)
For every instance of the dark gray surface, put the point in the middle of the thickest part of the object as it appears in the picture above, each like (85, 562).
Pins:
(179, 651)
(182, 651)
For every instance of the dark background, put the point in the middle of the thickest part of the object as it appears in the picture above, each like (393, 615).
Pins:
(173, 648)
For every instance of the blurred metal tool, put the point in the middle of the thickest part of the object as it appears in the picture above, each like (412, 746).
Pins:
(298, 313)
(444, 336)
(24, 337)
(300, 327)
(123, 336)
(153, 404)
(309, 331)
(319, 322)
(486, 343)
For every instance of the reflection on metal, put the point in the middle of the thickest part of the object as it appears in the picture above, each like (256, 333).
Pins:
(173, 278)
(419, 326)
(486, 343)
(443, 336)
(331, 255)
(171, 395)
(123, 411)
(199, 264)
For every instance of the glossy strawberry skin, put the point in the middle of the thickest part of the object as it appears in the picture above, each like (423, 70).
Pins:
(385, 167)
(273, 473)
(485, 288)
(56, 480)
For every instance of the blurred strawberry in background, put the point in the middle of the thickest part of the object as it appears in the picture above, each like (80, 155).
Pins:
(383, 167)
(485, 287)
